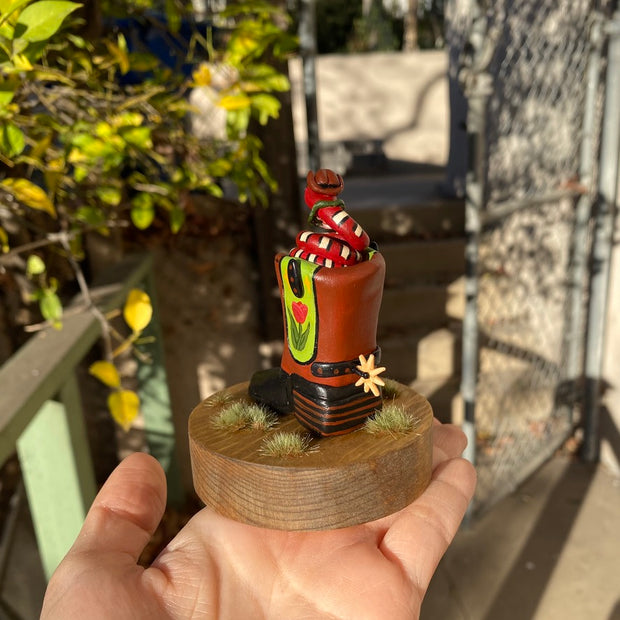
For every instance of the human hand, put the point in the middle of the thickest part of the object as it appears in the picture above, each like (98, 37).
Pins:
(219, 568)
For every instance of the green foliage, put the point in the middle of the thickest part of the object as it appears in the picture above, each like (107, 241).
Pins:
(82, 149)
(85, 149)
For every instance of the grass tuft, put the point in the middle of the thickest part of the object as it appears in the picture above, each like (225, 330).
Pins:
(220, 399)
(390, 389)
(391, 420)
(240, 415)
(286, 445)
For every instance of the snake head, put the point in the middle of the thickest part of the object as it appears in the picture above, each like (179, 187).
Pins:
(325, 182)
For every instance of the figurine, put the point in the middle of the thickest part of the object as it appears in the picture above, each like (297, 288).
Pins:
(305, 469)
(331, 286)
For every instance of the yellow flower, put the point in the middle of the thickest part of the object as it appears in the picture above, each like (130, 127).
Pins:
(369, 374)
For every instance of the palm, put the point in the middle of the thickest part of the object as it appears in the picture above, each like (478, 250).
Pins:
(216, 567)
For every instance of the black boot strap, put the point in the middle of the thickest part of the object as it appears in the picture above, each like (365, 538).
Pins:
(336, 369)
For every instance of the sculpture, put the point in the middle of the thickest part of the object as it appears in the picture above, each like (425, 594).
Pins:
(331, 285)
(245, 463)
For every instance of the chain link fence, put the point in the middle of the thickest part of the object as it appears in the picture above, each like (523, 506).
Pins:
(532, 73)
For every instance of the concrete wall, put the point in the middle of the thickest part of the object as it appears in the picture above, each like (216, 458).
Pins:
(396, 99)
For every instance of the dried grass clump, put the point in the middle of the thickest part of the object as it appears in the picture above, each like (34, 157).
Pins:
(221, 399)
(286, 445)
(391, 420)
(240, 415)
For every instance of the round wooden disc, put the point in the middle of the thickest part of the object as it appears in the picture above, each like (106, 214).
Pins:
(343, 480)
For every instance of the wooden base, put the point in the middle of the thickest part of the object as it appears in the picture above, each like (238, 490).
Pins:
(341, 481)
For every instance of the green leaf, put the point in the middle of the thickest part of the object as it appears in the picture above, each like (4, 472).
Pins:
(177, 219)
(109, 195)
(42, 19)
(35, 265)
(91, 216)
(142, 211)
(267, 107)
(12, 140)
(264, 78)
(50, 306)
(237, 122)
(7, 8)
(173, 17)
(7, 91)
(142, 61)
(80, 173)
(30, 194)
(138, 136)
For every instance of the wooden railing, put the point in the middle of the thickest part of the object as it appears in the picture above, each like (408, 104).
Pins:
(41, 414)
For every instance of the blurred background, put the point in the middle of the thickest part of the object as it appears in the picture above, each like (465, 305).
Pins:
(152, 162)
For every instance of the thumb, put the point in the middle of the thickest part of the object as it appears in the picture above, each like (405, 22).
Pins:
(127, 510)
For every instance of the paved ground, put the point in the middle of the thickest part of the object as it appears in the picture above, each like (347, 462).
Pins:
(550, 551)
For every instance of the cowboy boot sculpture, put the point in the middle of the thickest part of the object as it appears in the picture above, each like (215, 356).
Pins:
(331, 286)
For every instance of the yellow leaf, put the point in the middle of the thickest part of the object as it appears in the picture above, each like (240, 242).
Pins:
(106, 373)
(138, 310)
(202, 75)
(21, 62)
(235, 102)
(30, 194)
(124, 406)
(4, 241)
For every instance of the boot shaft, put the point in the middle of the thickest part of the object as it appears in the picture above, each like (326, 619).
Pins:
(330, 317)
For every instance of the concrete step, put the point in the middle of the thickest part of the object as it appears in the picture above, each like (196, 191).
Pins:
(422, 354)
(438, 219)
(423, 261)
(394, 207)
(429, 305)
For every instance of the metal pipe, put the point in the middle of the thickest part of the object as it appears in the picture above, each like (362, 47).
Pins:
(474, 202)
(477, 85)
(307, 48)
(573, 342)
(602, 244)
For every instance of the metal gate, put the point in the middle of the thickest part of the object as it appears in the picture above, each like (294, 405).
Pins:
(533, 73)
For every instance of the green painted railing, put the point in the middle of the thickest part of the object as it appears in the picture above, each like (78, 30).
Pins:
(41, 413)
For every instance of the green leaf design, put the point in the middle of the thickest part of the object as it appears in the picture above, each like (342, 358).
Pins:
(303, 338)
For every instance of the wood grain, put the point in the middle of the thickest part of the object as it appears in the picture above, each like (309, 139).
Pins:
(342, 481)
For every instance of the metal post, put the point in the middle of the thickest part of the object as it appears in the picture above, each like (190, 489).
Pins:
(474, 201)
(602, 244)
(477, 87)
(579, 261)
(307, 48)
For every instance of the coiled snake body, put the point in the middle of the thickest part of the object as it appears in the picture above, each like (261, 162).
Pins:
(346, 241)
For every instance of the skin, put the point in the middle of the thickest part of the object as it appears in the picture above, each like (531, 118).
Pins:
(218, 568)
